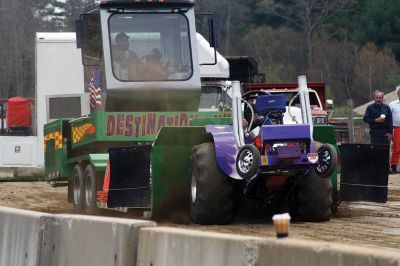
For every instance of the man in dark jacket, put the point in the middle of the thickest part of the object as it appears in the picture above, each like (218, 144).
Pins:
(379, 117)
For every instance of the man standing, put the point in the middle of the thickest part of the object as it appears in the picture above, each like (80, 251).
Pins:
(379, 117)
(395, 108)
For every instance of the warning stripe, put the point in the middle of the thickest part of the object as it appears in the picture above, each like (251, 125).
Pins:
(57, 136)
(79, 132)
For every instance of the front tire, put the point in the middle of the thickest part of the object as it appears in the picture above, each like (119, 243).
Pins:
(313, 199)
(327, 161)
(248, 161)
(212, 192)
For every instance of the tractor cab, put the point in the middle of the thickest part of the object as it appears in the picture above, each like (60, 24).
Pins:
(140, 55)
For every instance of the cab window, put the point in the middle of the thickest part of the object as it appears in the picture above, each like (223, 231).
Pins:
(150, 47)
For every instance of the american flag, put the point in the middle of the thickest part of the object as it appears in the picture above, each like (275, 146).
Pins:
(95, 89)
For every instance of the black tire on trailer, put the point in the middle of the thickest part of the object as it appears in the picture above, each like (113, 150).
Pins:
(313, 199)
(212, 192)
(78, 188)
(92, 179)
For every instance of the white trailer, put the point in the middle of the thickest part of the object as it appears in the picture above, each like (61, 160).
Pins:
(59, 75)
(59, 81)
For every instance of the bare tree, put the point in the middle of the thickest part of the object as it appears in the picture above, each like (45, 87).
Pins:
(372, 70)
(16, 48)
(276, 51)
(333, 63)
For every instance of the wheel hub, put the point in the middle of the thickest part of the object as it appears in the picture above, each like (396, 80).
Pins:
(246, 161)
(324, 161)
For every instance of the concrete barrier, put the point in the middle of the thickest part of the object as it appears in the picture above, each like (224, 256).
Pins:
(39, 239)
(91, 240)
(20, 235)
(171, 246)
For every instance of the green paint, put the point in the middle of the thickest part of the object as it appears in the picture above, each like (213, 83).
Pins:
(171, 166)
(91, 136)
(325, 134)
(134, 126)
(56, 166)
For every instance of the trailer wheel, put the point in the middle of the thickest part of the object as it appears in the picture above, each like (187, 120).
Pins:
(91, 187)
(212, 192)
(327, 160)
(313, 199)
(78, 190)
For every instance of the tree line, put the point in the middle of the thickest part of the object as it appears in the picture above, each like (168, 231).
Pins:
(352, 45)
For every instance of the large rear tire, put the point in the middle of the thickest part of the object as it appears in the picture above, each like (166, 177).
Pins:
(212, 192)
(91, 187)
(313, 199)
(78, 188)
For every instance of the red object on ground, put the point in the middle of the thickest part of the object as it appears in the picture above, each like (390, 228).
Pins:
(396, 147)
(18, 112)
(102, 196)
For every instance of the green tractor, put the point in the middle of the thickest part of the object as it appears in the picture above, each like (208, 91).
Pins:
(142, 73)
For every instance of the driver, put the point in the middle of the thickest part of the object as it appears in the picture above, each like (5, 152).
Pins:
(155, 70)
(126, 63)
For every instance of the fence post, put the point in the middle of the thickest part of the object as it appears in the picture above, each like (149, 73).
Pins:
(350, 120)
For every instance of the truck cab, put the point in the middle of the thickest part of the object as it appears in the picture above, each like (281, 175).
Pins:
(142, 74)
(138, 55)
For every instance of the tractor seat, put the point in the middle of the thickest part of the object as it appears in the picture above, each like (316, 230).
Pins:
(269, 103)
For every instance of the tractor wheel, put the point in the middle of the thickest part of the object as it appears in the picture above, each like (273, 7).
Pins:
(327, 160)
(248, 161)
(212, 192)
(313, 199)
(78, 186)
(91, 187)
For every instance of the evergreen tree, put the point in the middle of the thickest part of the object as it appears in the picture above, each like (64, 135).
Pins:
(378, 21)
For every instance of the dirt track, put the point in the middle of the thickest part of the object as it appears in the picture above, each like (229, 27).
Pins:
(365, 224)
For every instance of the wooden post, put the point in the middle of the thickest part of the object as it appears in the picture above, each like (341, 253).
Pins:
(350, 120)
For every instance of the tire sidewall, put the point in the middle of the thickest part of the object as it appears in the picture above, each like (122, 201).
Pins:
(77, 176)
(214, 202)
(90, 204)
(312, 199)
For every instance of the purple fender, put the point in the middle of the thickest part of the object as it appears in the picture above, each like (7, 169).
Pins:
(225, 148)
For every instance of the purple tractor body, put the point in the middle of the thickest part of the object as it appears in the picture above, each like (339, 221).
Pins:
(278, 166)
(283, 147)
